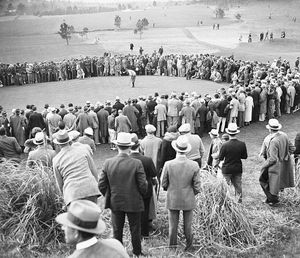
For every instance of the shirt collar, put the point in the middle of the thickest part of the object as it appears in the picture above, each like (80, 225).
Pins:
(86, 243)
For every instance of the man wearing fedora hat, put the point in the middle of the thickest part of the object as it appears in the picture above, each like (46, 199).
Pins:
(123, 183)
(232, 152)
(151, 173)
(182, 183)
(42, 154)
(277, 171)
(197, 151)
(214, 149)
(81, 223)
(87, 138)
(70, 119)
(75, 172)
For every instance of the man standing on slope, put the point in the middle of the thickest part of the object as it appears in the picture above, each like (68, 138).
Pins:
(232, 152)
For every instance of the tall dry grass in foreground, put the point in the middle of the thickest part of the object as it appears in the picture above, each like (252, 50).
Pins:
(29, 202)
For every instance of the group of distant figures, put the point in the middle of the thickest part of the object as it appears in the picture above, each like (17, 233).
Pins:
(264, 36)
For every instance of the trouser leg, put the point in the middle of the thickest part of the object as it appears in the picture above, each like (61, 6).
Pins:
(134, 220)
(187, 221)
(173, 227)
(117, 220)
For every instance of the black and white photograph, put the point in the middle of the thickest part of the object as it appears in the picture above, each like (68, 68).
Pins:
(149, 128)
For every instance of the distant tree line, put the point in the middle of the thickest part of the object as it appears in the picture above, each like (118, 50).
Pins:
(43, 7)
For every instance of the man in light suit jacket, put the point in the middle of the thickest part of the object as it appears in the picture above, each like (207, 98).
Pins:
(81, 224)
(123, 183)
(182, 183)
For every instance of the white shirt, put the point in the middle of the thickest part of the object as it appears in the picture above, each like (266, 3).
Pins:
(86, 244)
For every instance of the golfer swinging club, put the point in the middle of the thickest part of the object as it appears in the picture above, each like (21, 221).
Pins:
(132, 75)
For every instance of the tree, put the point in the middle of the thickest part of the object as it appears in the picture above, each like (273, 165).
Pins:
(145, 22)
(65, 31)
(21, 8)
(238, 16)
(219, 12)
(139, 28)
(85, 31)
(118, 21)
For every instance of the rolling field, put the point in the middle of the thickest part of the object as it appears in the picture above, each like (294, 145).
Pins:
(29, 38)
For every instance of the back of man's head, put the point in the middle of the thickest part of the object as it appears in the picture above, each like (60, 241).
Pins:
(2, 131)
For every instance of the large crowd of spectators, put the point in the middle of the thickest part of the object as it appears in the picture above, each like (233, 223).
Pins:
(202, 66)
(171, 126)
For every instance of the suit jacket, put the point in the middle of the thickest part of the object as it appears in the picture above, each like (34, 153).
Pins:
(9, 148)
(102, 249)
(36, 120)
(149, 170)
(122, 124)
(123, 182)
(232, 152)
(276, 149)
(181, 180)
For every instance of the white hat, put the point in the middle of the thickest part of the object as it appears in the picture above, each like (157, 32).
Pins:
(232, 129)
(83, 215)
(62, 137)
(214, 132)
(39, 138)
(88, 131)
(123, 139)
(74, 135)
(274, 125)
(150, 128)
(181, 144)
(184, 128)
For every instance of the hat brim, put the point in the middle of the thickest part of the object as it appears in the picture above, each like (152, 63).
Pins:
(122, 144)
(230, 132)
(37, 143)
(274, 129)
(63, 220)
(214, 135)
(61, 143)
(188, 149)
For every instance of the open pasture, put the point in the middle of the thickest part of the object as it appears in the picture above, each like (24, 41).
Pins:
(29, 38)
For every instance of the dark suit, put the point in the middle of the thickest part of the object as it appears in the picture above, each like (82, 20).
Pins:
(202, 113)
(123, 182)
(232, 152)
(150, 173)
(36, 120)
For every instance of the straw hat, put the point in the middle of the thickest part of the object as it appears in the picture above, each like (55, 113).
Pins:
(150, 128)
(181, 144)
(214, 132)
(123, 139)
(62, 137)
(274, 125)
(74, 135)
(185, 128)
(135, 140)
(232, 129)
(88, 131)
(39, 138)
(83, 215)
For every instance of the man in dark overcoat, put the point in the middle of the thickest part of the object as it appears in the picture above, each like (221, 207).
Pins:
(123, 183)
